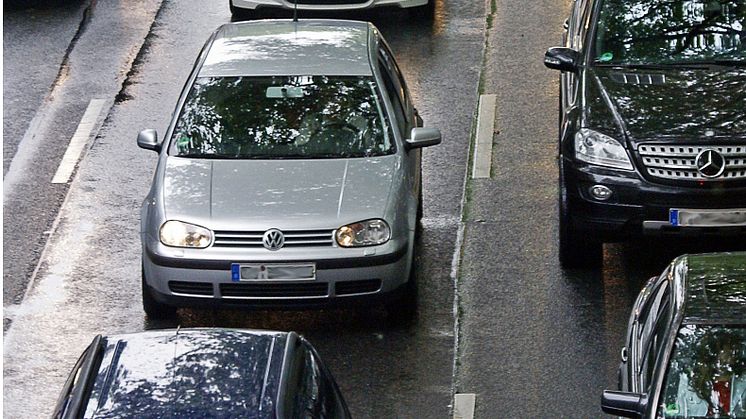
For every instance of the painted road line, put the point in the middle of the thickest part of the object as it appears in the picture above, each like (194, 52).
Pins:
(485, 130)
(463, 406)
(78, 141)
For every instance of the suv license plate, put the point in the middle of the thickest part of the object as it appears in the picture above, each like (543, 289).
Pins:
(272, 272)
(707, 217)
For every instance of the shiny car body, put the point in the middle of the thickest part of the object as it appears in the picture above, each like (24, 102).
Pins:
(190, 373)
(685, 352)
(651, 95)
(293, 163)
(243, 6)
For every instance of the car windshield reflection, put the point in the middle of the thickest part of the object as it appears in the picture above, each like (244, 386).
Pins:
(303, 117)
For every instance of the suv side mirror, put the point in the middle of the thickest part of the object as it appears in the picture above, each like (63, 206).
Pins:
(561, 58)
(423, 137)
(623, 403)
(148, 139)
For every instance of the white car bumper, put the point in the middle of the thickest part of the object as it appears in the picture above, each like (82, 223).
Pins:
(324, 4)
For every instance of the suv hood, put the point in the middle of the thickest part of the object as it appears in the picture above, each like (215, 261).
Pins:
(673, 104)
(284, 194)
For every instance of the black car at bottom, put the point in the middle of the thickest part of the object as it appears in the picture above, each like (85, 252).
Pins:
(685, 355)
(201, 373)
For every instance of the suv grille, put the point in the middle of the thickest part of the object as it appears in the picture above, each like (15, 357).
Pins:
(298, 238)
(679, 161)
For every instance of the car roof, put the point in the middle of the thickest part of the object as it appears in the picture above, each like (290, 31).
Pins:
(287, 48)
(715, 287)
(188, 373)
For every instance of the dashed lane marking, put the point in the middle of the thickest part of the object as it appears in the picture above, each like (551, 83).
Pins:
(463, 405)
(78, 141)
(485, 131)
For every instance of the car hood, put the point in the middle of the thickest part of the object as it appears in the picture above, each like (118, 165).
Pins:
(672, 104)
(284, 194)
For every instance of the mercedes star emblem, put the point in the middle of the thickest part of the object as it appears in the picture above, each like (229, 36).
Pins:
(273, 239)
(710, 163)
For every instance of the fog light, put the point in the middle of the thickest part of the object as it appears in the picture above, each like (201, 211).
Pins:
(600, 192)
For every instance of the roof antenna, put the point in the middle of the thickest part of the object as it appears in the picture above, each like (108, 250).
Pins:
(295, 11)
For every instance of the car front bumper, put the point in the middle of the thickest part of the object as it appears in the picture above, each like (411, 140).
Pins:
(205, 282)
(326, 5)
(638, 207)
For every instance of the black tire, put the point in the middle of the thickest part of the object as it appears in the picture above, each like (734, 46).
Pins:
(419, 203)
(403, 309)
(154, 309)
(238, 13)
(423, 12)
(576, 251)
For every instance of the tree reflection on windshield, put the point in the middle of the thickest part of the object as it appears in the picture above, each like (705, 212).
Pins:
(282, 117)
(666, 31)
(707, 374)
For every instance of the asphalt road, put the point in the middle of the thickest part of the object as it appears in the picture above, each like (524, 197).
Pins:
(497, 317)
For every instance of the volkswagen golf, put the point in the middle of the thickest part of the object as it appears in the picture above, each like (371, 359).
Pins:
(289, 176)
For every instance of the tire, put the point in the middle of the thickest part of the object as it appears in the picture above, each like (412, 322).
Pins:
(576, 251)
(238, 13)
(423, 12)
(154, 309)
(403, 310)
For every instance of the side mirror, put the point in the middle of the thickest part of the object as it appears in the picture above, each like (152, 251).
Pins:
(148, 139)
(561, 58)
(625, 404)
(423, 137)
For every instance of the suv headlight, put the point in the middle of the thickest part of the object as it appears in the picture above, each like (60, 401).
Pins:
(596, 148)
(180, 234)
(364, 233)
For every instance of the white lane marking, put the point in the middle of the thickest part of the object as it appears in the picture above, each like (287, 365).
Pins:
(463, 405)
(485, 131)
(78, 141)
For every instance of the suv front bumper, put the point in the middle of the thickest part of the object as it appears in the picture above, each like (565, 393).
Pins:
(638, 207)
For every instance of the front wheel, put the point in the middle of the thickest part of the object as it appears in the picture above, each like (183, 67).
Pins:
(154, 309)
(576, 250)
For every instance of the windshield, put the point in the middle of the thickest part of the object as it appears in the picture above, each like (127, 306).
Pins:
(670, 32)
(706, 377)
(282, 117)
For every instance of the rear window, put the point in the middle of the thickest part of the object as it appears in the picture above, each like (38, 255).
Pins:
(665, 31)
(294, 117)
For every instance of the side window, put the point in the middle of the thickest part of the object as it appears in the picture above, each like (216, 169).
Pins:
(656, 314)
(388, 57)
(396, 100)
(315, 395)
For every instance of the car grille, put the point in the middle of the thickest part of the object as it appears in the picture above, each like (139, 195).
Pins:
(358, 287)
(261, 290)
(328, 1)
(678, 161)
(192, 288)
(298, 238)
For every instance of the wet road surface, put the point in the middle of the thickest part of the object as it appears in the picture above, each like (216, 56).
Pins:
(529, 339)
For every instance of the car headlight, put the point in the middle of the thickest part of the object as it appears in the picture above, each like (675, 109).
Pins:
(364, 233)
(180, 234)
(596, 148)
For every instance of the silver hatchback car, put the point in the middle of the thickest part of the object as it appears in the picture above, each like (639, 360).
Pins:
(289, 175)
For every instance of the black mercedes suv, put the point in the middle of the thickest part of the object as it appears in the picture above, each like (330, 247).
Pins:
(652, 122)
(685, 352)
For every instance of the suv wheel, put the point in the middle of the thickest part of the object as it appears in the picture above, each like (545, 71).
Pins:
(153, 309)
(575, 250)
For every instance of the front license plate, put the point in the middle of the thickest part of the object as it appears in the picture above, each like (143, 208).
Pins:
(272, 272)
(707, 217)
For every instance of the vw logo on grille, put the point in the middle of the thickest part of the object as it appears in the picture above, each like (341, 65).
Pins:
(710, 163)
(273, 239)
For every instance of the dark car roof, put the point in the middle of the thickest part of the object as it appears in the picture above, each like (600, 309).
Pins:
(715, 288)
(287, 48)
(188, 373)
